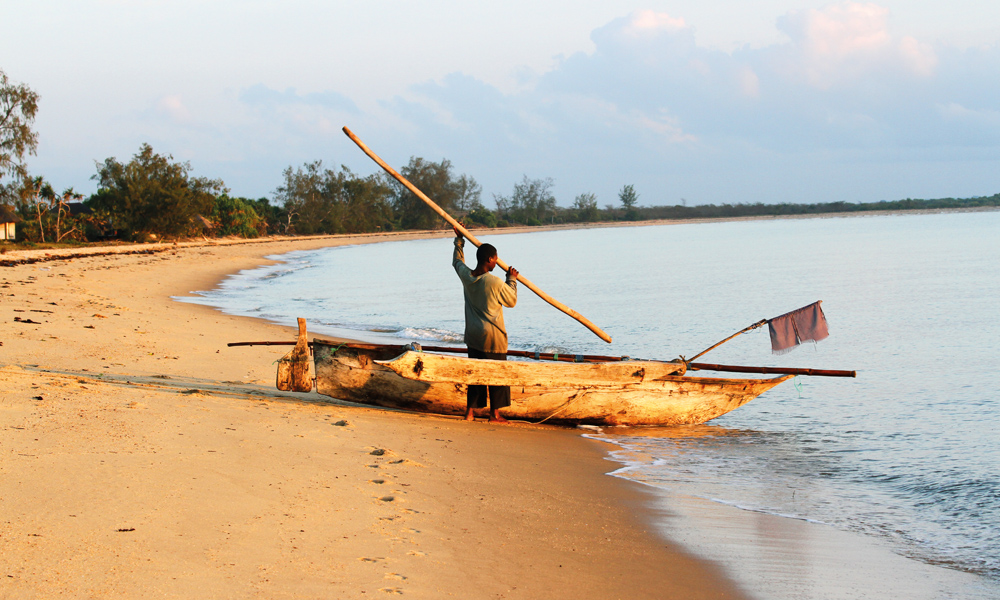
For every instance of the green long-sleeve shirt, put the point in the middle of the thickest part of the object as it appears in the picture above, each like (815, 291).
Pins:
(485, 297)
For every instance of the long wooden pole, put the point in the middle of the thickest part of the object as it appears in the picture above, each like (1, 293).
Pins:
(531, 286)
(773, 370)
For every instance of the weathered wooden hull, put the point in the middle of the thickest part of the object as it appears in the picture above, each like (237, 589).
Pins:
(352, 374)
(437, 368)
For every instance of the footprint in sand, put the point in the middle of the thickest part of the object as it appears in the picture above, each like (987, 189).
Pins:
(391, 590)
(395, 576)
(416, 553)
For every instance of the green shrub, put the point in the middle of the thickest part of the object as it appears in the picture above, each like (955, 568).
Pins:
(235, 216)
(483, 216)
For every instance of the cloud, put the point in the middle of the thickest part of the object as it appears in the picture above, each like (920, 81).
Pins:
(982, 118)
(842, 106)
(842, 109)
(749, 82)
(845, 42)
(842, 80)
(918, 56)
(293, 119)
(261, 95)
(646, 37)
(838, 31)
(651, 105)
(648, 22)
(979, 127)
(174, 108)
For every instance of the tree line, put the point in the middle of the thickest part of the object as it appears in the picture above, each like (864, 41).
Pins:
(152, 196)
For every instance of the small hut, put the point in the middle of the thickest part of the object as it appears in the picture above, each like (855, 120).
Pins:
(8, 223)
(78, 208)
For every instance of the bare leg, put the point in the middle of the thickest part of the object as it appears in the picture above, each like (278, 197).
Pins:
(469, 416)
(495, 416)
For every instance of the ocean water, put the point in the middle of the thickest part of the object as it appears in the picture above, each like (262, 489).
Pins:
(907, 454)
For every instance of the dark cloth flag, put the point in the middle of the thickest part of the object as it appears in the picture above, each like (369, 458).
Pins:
(807, 324)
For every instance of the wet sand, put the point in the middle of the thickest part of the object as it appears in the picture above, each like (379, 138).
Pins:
(142, 457)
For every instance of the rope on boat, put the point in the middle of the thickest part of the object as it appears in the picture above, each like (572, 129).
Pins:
(564, 406)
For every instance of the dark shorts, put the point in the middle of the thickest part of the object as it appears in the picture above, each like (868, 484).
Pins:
(499, 395)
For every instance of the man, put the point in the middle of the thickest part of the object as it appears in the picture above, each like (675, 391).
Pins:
(485, 334)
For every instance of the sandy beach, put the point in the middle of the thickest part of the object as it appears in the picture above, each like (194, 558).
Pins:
(143, 457)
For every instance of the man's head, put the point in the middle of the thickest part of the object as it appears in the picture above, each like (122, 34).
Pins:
(486, 256)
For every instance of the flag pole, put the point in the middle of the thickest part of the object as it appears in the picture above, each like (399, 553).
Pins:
(742, 331)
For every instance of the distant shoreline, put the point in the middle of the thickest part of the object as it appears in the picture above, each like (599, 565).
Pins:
(15, 257)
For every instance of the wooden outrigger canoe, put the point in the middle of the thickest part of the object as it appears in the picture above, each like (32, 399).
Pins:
(612, 393)
(364, 373)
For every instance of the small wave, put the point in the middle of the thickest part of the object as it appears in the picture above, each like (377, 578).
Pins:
(554, 349)
(275, 274)
(839, 498)
(431, 334)
(286, 265)
(765, 511)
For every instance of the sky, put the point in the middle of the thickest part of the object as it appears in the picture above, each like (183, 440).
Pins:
(714, 101)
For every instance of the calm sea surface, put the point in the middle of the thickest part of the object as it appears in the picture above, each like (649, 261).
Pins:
(908, 453)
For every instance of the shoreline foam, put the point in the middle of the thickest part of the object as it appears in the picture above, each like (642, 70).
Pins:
(778, 556)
